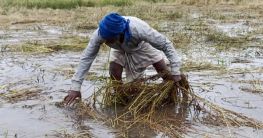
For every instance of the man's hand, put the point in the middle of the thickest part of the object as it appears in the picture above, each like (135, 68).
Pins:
(175, 78)
(72, 95)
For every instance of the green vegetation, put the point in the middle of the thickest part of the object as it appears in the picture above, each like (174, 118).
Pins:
(65, 4)
(69, 4)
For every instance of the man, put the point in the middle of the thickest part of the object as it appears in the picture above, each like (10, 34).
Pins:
(134, 46)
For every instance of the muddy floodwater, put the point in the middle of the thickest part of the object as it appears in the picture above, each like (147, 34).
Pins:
(44, 79)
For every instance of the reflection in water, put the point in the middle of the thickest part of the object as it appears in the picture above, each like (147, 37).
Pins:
(40, 76)
(176, 118)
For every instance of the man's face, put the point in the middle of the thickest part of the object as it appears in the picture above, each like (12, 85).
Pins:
(111, 41)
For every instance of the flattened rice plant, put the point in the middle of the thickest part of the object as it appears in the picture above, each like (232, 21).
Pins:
(143, 105)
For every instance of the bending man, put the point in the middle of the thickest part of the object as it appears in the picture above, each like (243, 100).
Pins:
(134, 46)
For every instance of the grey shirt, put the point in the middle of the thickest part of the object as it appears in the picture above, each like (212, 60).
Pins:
(140, 31)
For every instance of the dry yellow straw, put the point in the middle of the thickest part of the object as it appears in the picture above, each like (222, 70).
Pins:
(142, 99)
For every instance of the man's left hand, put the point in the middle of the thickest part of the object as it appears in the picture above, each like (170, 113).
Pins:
(175, 78)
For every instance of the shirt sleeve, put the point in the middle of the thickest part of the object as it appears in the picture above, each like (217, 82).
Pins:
(160, 42)
(87, 57)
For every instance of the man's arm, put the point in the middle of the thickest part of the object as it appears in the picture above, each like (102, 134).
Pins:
(88, 56)
(160, 42)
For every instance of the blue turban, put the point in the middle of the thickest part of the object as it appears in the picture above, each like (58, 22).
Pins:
(113, 25)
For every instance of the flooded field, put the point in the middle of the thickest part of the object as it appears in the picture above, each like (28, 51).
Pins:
(221, 52)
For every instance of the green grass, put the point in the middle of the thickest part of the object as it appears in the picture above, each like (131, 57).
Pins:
(64, 4)
(70, 4)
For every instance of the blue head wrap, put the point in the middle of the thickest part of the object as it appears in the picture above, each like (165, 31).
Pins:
(113, 25)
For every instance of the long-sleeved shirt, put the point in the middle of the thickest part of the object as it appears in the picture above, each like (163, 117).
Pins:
(140, 31)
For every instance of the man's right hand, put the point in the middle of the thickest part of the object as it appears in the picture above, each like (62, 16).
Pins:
(72, 95)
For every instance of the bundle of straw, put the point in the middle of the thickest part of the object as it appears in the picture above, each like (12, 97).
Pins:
(143, 95)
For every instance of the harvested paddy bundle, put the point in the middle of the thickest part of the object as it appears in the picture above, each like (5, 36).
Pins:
(145, 94)
(144, 103)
